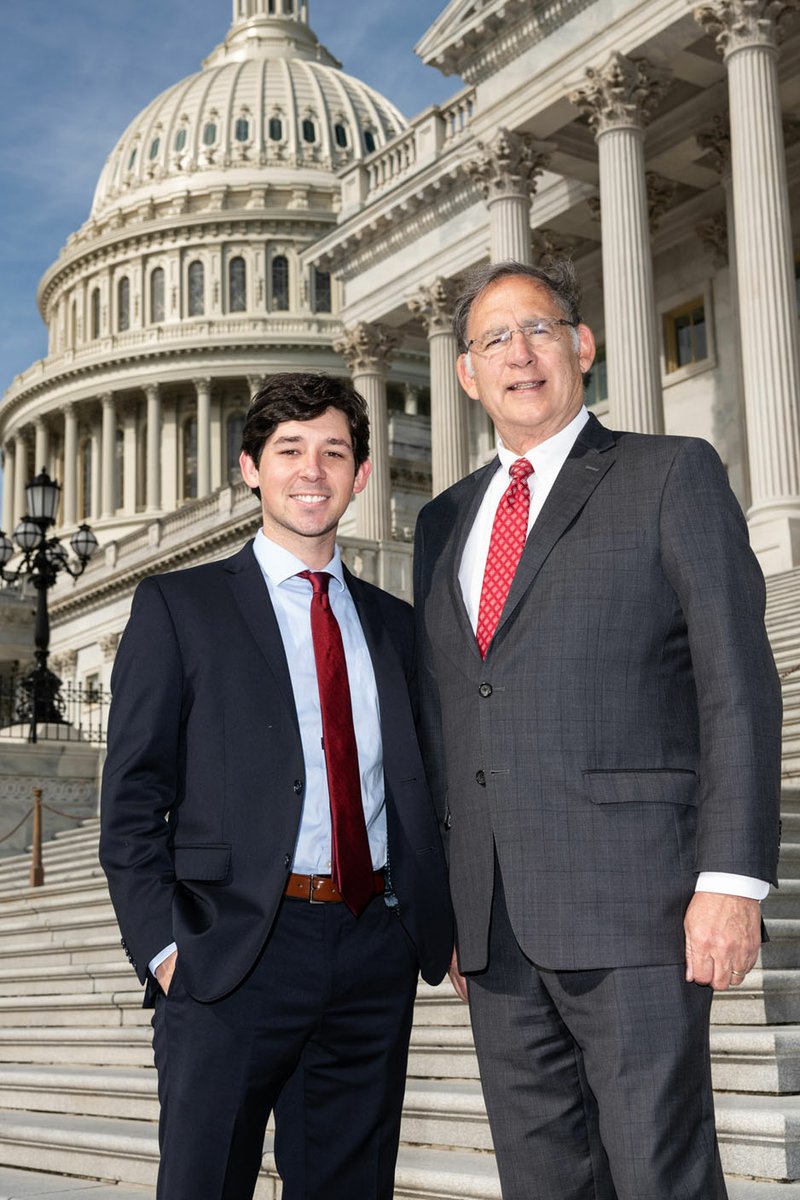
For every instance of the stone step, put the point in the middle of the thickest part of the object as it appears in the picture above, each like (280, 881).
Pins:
(54, 854)
(83, 948)
(759, 1135)
(785, 902)
(101, 1008)
(64, 979)
(82, 1091)
(105, 1046)
(33, 1185)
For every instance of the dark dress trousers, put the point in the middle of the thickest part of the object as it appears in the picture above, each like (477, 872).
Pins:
(201, 804)
(622, 735)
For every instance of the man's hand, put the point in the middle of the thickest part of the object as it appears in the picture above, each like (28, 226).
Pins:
(457, 979)
(165, 970)
(723, 939)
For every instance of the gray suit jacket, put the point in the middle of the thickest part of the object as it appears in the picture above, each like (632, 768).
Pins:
(624, 731)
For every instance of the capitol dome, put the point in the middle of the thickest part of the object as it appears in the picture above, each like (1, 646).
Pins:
(270, 96)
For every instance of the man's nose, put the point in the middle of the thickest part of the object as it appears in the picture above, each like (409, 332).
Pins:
(520, 351)
(312, 467)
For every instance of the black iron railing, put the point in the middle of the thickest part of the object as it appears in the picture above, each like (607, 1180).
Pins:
(71, 713)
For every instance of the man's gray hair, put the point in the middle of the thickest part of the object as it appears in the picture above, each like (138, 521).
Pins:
(558, 276)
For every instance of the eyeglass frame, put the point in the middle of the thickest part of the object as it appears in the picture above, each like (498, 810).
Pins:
(518, 329)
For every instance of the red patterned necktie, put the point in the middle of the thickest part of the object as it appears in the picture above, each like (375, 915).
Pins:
(509, 532)
(351, 861)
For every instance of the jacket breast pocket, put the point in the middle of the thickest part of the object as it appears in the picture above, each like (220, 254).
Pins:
(202, 862)
(658, 786)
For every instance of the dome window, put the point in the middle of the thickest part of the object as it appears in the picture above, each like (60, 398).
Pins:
(280, 283)
(123, 304)
(369, 141)
(309, 131)
(157, 295)
(197, 298)
(340, 133)
(154, 146)
(322, 292)
(95, 313)
(180, 140)
(242, 129)
(237, 285)
(275, 129)
(209, 134)
(132, 159)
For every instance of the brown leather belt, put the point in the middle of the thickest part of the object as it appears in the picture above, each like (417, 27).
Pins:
(320, 889)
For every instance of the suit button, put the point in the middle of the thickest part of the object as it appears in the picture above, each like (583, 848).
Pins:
(480, 778)
(297, 786)
(448, 821)
(287, 862)
(485, 690)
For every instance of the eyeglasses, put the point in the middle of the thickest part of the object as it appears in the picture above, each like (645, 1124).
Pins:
(541, 331)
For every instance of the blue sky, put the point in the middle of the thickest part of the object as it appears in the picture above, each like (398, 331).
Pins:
(73, 75)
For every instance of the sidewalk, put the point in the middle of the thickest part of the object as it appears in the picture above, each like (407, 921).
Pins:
(28, 1185)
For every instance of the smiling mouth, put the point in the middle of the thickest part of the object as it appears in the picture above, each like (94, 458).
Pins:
(526, 385)
(310, 498)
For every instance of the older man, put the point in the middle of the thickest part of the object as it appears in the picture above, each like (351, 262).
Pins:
(602, 721)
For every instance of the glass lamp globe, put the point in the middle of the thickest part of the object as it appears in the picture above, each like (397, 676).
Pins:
(27, 534)
(43, 494)
(83, 542)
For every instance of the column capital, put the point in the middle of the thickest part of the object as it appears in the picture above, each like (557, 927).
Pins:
(107, 399)
(203, 385)
(549, 243)
(742, 24)
(152, 391)
(715, 139)
(621, 94)
(713, 233)
(367, 346)
(255, 384)
(108, 644)
(508, 166)
(433, 304)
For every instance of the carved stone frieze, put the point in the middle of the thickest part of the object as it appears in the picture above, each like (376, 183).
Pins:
(108, 644)
(548, 243)
(736, 24)
(660, 195)
(624, 92)
(715, 139)
(713, 233)
(434, 305)
(508, 166)
(367, 346)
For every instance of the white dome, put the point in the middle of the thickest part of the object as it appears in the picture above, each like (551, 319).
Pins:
(270, 101)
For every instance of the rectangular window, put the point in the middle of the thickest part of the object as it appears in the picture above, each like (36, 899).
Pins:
(685, 340)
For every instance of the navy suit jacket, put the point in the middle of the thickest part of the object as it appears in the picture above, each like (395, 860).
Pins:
(204, 779)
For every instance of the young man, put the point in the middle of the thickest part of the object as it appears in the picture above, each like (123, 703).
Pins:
(267, 831)
(602, 718)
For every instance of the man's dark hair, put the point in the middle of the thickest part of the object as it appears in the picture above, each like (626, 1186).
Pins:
(558, 275)
(302, 396)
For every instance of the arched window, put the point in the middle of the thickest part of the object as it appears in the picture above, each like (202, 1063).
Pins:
(123, 304)
(157, 295)
(340, 133)
(233, 437)
(280, 283)
(85, 479)
(119, 468)
(309, 130)
(209, 134)
(154, 145)
(369, 141)
(189, 479)
(275, 129)
(322, 291)
(197, 298)
(73, 324)
(94, 304)
(242, 129)
(132, 159)
(180, 140)
(237, 285)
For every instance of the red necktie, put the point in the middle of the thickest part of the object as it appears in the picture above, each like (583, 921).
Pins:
(509, 531)
(351, 861)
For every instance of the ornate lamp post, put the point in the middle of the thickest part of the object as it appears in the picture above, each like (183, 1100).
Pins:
(43, 559)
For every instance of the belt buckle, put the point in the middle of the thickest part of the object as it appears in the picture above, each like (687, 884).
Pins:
(311, 880)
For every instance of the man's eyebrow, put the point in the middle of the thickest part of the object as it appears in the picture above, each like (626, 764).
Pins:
(293, 438)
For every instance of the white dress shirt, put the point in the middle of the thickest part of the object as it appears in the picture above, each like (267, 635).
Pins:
(547, 459)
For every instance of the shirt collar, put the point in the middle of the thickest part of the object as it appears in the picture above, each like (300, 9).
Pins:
(280, 565)
(550, 453)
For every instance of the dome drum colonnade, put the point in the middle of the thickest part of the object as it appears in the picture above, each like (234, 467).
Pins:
(618, 100)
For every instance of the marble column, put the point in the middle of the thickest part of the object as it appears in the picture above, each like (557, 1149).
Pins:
(449, 404)
(96, 447)
(129, 447)
(505, 170)
(9, 460)
(21, 476)
(618, 99)
(367, 349)
(747, 34)
(203, 388)
(153, 497)
(41, 457)
(107, 455)
(70, 494)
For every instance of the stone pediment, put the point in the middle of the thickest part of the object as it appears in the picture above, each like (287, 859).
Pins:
(472, 36)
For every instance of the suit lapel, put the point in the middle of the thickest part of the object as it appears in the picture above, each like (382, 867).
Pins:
(385, 661)
(252, 598)
(590, 458)
(453, 551)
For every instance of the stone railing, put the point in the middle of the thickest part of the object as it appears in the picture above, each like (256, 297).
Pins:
(435, 129)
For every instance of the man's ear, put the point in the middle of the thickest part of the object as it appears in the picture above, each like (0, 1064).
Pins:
(362, 475)
(586, 347)
(466, 375)
(249, 470)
